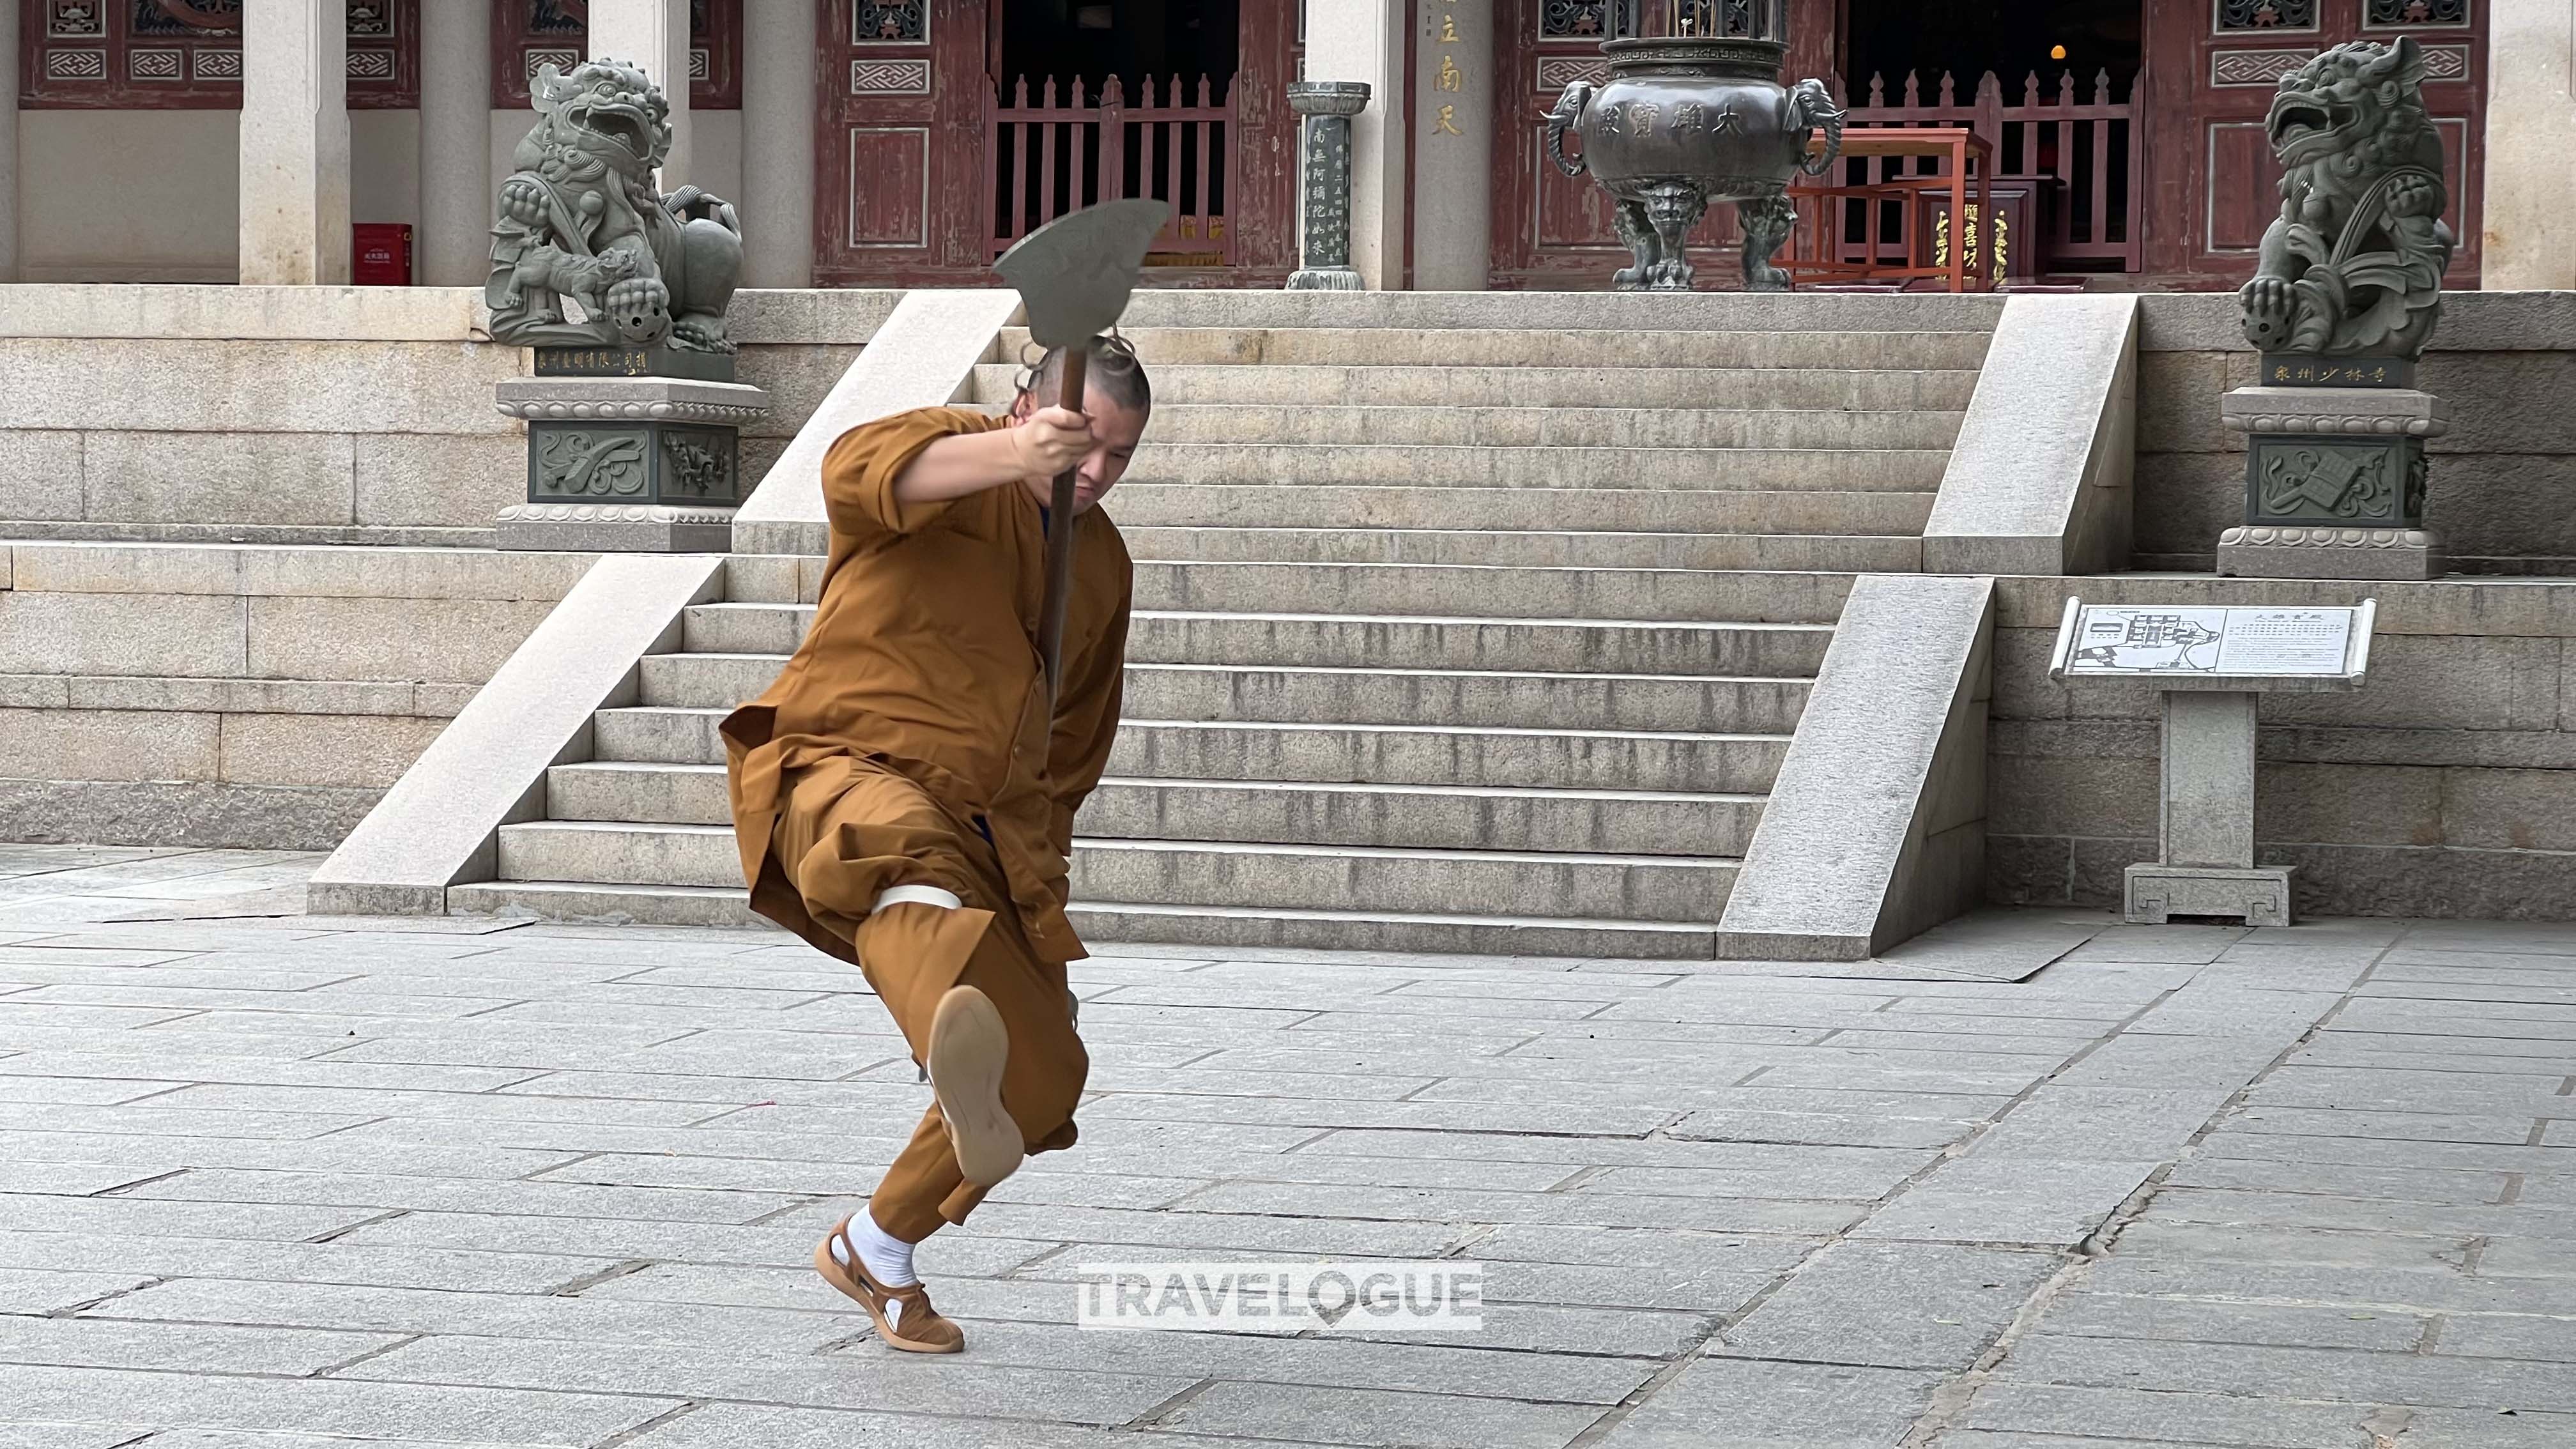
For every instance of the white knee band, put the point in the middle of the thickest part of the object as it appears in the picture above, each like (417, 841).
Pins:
(915, 895)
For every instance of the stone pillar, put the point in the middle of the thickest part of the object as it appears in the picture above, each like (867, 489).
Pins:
(655, 35)
(1325, 184)
(295, 143)
(2530, 215)
(778, 143)
(1363, 40)
(456, 179)
(2205, 820)
(9, 141)
(1453, 146)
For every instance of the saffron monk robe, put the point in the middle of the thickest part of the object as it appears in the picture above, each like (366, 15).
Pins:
(903, 799)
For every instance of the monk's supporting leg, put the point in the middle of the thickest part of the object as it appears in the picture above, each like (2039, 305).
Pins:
(907, 950)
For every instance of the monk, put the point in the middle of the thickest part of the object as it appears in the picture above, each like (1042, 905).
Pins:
(903, 796)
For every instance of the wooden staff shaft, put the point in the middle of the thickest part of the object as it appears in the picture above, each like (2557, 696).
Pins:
(1061, 519)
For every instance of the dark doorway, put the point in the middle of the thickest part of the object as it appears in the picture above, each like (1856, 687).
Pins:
(1131, 39)
(2012, 38)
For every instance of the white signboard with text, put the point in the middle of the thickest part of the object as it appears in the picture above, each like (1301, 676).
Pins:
(2191, 646)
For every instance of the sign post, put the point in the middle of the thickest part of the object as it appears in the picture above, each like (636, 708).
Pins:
(2210, 664)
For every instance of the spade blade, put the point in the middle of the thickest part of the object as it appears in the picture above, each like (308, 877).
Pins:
(1074, 274)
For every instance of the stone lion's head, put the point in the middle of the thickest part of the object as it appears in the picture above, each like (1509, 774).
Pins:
(607, 108)
(2362, 101)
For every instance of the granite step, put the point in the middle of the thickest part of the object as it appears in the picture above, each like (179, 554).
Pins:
(1213, 873)
(1509, 427)
(1512, 347)
(1104, 924)
(1792, 552)
(1436, 817)
(1487, 592)
(1761, 469)
(1670, 760)
(1138, 504)
(1464, 698)
(1295, 385)
(1388, 641)
(1424, 817)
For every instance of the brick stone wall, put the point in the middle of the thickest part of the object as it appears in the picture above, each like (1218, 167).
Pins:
(2502, 479)
(344, 416)
(2444, 787)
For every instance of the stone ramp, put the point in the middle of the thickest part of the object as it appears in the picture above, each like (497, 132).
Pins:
(1457, 628)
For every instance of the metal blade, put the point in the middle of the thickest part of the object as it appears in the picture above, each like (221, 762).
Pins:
(1074, 274)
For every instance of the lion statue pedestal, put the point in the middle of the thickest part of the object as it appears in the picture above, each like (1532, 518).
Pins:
(634, 416)
(2345, 295)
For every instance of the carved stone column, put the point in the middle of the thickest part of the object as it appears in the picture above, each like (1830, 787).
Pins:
(778, 103)
(9, 142)
(295, 143)
(655, 35)
(455, 145)
(2530, 214)
(1328, 107)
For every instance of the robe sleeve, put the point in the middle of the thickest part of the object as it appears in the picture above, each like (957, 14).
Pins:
(1086, 717)
(860, 468)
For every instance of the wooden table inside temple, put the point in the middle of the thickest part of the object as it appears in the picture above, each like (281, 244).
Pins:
(1828, 253)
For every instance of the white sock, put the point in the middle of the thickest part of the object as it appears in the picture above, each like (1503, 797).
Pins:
(887, 1257)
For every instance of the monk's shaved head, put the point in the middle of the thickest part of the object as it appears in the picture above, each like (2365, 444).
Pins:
(1115, 374)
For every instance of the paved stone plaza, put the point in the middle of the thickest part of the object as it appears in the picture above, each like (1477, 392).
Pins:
(285, 1182)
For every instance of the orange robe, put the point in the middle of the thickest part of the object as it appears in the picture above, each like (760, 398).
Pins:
(922, 662)
(908, 743)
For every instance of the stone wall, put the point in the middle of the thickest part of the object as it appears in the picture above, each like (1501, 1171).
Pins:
(2502, 479)
(2444, 787)
(313, 415)
(157, 694)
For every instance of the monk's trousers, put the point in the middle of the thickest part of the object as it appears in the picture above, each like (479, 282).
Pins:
(852, 831)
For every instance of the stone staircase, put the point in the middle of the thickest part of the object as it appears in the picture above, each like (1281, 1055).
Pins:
(1446, 638)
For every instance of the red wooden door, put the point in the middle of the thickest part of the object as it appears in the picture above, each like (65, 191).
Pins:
(2214, 67)
(1550, 230)
(899, 150)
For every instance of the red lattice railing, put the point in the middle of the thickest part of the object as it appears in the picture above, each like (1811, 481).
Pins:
(2084, 156)
(1051, 156)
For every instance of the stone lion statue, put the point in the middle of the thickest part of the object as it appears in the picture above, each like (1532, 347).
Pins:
(580, 218)
(2353, 265)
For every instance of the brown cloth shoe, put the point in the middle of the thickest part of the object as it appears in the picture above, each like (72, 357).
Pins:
(916, 1326)
(968, 1048)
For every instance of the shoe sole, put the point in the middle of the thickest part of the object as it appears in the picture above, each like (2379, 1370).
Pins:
(968, 1048)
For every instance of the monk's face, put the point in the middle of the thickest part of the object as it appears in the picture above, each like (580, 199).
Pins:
(1115, 431)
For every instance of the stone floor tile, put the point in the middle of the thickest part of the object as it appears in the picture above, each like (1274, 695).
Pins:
(1374, 1417)
(1892, 1305)
(1324, 1361)
(2299, 1373)
(2035, 1201)
(497, 1316)
(205, 1348)
(751, 1368)
(735, 1426)
(45, 1290)
(1759, 1405)
(2103, 1315)
(329, 1407)
(2011, 1404)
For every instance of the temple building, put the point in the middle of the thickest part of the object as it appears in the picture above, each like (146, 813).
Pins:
(907, 142)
